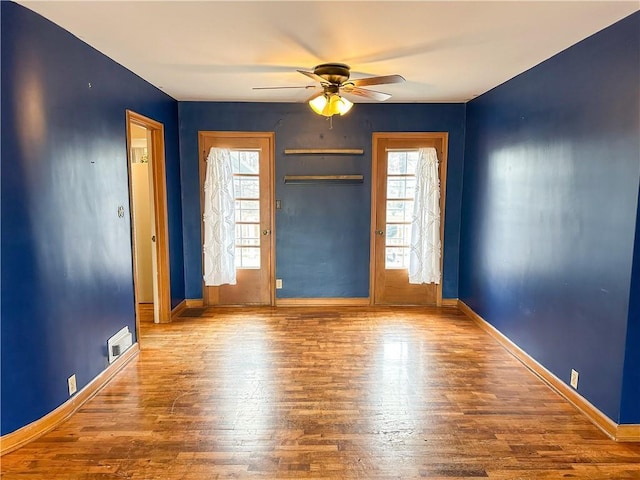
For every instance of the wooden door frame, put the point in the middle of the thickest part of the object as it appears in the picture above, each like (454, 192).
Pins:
(202, 135)
(158, 175)
(375, 157)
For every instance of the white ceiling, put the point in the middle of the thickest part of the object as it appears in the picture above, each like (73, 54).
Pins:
(448, 51)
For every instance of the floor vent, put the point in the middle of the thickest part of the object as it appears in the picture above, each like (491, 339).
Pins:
(119, 343)
(192, 312)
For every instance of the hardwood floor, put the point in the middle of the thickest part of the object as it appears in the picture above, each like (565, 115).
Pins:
(335, 393)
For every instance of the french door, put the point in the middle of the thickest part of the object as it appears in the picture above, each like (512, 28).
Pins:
(395, 157)
(252, 160)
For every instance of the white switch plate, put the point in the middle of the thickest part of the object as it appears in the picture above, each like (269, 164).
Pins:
(71, 381)
(574, 379)
(278, 283)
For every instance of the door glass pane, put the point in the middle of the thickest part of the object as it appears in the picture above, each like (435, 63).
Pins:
(246, 186)
(247, 234)
(399, 211)
(398, 234)
(247, 257)
(402, 162)
(246, 179)
(401, 186)
(396, 257)
(245, 162)
(247, 211)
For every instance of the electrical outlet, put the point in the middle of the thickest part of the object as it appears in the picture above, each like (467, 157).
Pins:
(278, 283)
(71, 381)
(574, 379)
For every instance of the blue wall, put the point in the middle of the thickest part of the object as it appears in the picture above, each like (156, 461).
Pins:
(322, 231)
(552, 167)
(631, 379)
(67, 280)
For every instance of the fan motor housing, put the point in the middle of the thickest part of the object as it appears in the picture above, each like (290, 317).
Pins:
(336, 73)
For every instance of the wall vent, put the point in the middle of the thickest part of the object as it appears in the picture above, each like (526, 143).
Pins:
(119, 343)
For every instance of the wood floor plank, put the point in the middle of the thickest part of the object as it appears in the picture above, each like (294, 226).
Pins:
(324, 393)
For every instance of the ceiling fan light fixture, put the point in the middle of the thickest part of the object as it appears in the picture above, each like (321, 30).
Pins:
(341, 104)
(318, 104)
(334, 79)
(330, 104)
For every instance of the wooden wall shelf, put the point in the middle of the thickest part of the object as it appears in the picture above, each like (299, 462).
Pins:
(324, 151)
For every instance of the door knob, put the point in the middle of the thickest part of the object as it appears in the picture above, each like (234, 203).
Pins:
(379, 232)
(266, 232)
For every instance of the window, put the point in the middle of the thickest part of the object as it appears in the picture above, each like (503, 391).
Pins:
(246, 183)
(401, 184)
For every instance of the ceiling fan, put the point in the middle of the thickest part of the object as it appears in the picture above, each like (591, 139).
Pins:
(334, 80)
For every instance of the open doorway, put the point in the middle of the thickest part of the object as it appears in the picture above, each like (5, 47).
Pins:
(144, 225)
(149, 234)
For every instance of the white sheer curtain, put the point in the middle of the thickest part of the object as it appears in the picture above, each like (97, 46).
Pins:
(424, 259)
(219, 220)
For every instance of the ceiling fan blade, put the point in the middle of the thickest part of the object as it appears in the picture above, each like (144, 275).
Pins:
(313, 76)
(362, 92)
(276, 88)
(363, 82)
